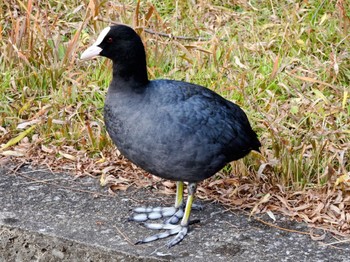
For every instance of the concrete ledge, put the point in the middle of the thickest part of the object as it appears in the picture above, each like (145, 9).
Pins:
(52, 217)
(23, 245)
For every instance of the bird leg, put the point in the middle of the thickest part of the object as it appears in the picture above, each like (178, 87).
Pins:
(151, 213)
(171, 229)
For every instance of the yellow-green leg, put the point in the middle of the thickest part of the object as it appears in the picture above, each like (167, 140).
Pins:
(186, 218)
(179, 194)
(172, 229)
(175, 213)
(179, 202)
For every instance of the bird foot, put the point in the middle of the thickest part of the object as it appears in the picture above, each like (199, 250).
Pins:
(171, 226)
(143, 214)
(179, 230)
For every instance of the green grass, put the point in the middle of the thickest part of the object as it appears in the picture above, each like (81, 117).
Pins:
(286, 63)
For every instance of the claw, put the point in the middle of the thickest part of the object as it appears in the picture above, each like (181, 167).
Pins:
(179, 237)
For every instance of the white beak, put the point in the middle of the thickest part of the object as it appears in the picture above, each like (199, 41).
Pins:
(91, 52)
(94, 50)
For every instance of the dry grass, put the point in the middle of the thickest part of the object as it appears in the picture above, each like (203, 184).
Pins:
(286, 63)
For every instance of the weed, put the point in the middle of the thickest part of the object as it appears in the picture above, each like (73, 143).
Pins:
(286, 63)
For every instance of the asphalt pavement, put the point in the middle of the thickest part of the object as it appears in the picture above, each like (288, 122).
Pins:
(54, 217)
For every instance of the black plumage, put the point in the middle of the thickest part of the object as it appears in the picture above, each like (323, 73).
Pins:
(172, 129)
(177, 130)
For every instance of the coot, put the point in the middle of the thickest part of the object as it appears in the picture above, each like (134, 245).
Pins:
(172, 129)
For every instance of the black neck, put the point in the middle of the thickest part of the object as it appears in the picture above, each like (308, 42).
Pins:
(130, 72)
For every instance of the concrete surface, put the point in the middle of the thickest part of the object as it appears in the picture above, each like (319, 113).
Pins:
(53, 217)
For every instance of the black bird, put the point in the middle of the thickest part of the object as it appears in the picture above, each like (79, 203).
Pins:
(172, 129)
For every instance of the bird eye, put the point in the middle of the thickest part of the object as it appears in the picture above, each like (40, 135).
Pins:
(110, 40)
